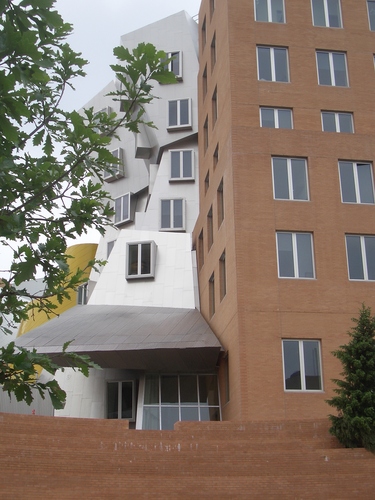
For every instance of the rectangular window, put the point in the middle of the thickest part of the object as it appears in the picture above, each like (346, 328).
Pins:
(211, 294)
(332, 68)
(357, 184)
(276, 117)
(220, 203)
(271, 11)
(327, 13)
(214, 107)
(204, 82)
(295, 255)
(115, 170)
(179, 113)
(212, 8)
(273, 64)
(215, 157)
(210, 229)
(172, 215)
(205, 134)
(141, 258)
(204, 33)
(361, 257)
(223, 276)
(120, 400)
(200, 250)
(207, 182)
(182, 165)
(213, 52)
(83, 294)
(175, 64)
(289, 179)
(122, 209)
(302, 365)
(371, 14)
(335, 121)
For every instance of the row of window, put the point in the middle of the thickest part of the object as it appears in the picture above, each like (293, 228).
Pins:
(295, 256)
(325, 13)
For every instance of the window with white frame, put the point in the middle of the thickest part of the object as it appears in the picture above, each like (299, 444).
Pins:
(273, 64)
(336, 121)
(371, 14)
(172, 215)
(356, 181)
(182, 165)
(276, 117)
(326, 13)
(179, 113)
(175, 64)
(171, 398)
(271, 11)
(83, 294)
(360, 252)
(302, 365)
(289, 178)
(295, 255)
(332, 69)
(120, 400)
(122, 209)
(140, 260)
(115, 170)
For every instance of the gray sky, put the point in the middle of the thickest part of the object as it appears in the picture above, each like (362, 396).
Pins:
(98, 27)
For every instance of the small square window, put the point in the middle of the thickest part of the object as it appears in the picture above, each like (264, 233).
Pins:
(273, 64)
(356, 181)
(115, 170)
(327, 13)
(302, 365)
(179, 114)
(361, 257)
(336, 121)
(172, 215)
(182, 165)
(332, 69)
(276, 117)
(270, 11)
(295, 255)
(141, 258)
(290, 179)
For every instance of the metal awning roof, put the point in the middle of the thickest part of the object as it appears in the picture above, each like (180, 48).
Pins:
(131, 337)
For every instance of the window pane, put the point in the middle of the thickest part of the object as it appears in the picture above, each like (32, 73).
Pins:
(366, 189)
(152, 389)
(169, 389)
(264, 63)
(280, 178)
(277, 11)
(347, 182)
(210, 414)
(151, 418)
(371, 13)
(188, 389)
(281, 65)
(299, 179)
(112, 400)
(267, 117)
(329, 122)
(318, 13)
(370, 256)
(285, 253)
(172, 113)
(125, 207)
(177, 214)
(187, 164)
(146, 258)
(133, 259)
(292, 370)
(334, 13)
(175, 63)
(285, 118)
(175, 164)
(345, 121)
(184, 112)
(261, 10)
(355, 263)
(117, 210)
(127, 400)
(208, 393)
(169, 416)
(312, 365)
(339, 66)
(165, 214)
(304, 256)
(190, 413)
(324, 69)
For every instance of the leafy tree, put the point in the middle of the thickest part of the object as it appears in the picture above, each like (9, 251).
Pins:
(355, 401)
(51, 160)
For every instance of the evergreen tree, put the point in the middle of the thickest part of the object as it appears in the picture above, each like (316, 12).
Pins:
(354, 426)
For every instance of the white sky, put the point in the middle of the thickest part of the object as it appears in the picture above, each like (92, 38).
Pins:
(98, 26)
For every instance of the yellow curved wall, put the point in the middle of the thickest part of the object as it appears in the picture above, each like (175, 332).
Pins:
(81, 254)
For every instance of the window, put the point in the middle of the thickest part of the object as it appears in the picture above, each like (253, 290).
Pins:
(115, 170)
(223, 276)
(289, 179)
(302, 365)
(212, 8)
(179, 113)
(326, 13)
(207, 182)
(334, 121)
(276, 118)
(175, 64)
(205, 134)
(110, 246)
(122, 209)
(200, 250)
(83, 294)
(141, 259)
(220, 203)
(214, 107)
(357, 185)
(172, 215)
(204, 81)
(273, 64)
(271, 11)
(204, 33)
(213, 52)
(332, 68)
(210, 229)
(361, 257)
(182, 165)
(171, 398)
(215, 156)
(211, 295)
(371, 14)
(120, 400)
(295, 255)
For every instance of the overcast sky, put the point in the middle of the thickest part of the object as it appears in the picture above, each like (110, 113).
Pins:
(98, 26)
